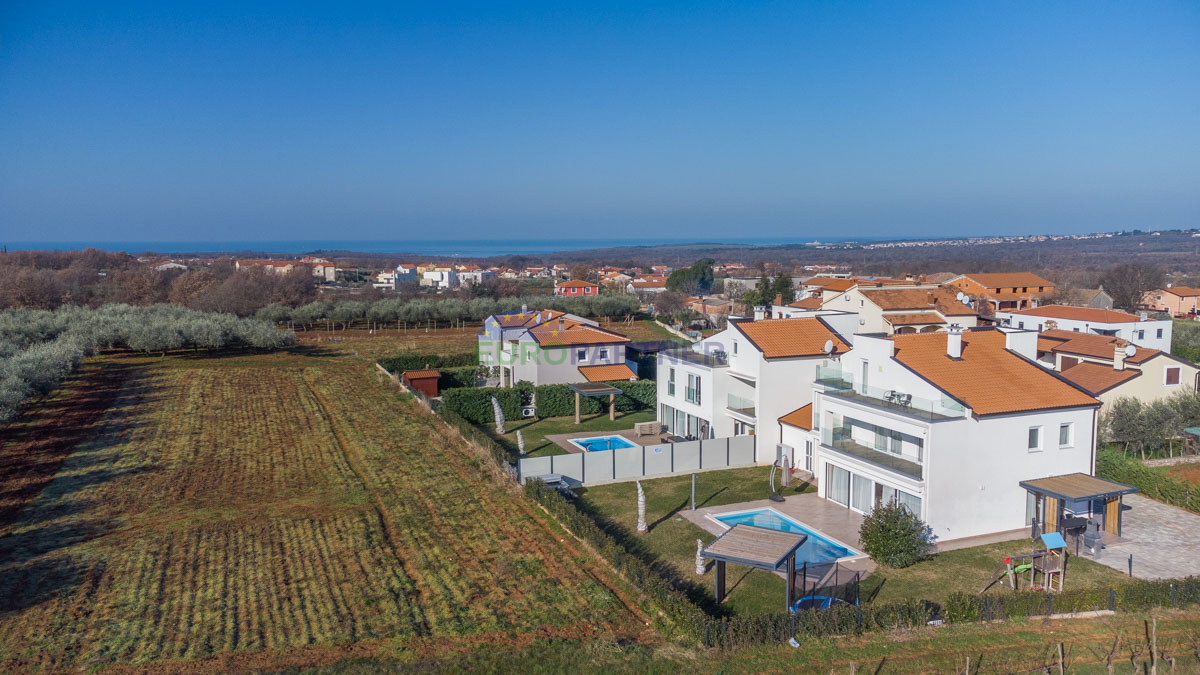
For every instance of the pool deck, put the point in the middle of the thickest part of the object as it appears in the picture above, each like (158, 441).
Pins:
(834, 522)
(564, 440)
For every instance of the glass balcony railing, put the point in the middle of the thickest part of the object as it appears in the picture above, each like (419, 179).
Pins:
(710, 360)
(840, 439)
(742, 406)
(840, 383)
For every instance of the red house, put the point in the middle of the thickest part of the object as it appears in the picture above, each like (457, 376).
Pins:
(424, 381)
(576, 288)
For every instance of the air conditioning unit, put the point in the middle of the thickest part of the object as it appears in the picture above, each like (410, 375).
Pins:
(528, 411)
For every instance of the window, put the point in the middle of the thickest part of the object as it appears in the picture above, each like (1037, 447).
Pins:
(671, 382)
(1159, 334)
(603, 353)
(735, 346)
(1020, 324)
(837, 485)
(581, 355)
(1035, 439)
(1066, 435)
(692, 393)
(1171, 375)
(1141, 334)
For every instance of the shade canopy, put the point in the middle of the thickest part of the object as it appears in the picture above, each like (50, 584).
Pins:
(1076, 486)
(594, 389)
(754, 546)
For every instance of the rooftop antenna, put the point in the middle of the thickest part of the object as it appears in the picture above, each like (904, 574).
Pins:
(960, 296)
(828, 349)
(1130, 350)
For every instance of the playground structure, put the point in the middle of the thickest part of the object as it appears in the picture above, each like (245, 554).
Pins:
(1049, 562)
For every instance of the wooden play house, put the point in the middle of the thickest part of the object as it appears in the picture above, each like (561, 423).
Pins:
(1079, 495)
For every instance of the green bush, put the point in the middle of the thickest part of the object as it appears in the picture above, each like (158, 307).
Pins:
(452, 378)
(1153, 482)
(557, 400)
(894, 536)
(474, 404)
(638, 395)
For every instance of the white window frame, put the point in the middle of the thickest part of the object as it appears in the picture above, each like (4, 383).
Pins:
(1070, 427)
(1040, 439)
(581, 356)
(1178, 369)
(671, 381)
(603, 355)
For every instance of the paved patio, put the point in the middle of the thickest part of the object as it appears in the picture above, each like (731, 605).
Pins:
(834, 522)
(1164, 541)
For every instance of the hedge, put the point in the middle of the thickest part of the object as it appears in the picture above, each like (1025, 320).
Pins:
(551, 400)
(1139, 595)
(474, 404)
(1153, 482)
(399, 364)
(452, 378)
(557, 400)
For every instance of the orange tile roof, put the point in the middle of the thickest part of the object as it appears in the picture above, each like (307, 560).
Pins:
(831, 283)
(649, 283)
(530, 318)
(784, 338)
(988, 378)
(811, 302)
(418, 374)
(1098, 378)
(548, 334)
(800, 417)
(575, 283)
(1008, 279)
(607, 373)
(914, 319)
(941, 299)
(1088, 344)
(1091, 314)
(1182, 291)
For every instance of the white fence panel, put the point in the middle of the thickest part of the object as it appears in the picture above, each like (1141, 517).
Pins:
(659, 459)
(687, 457)
(627, 463)
(597, 466)
(623, 464)
(741, 450)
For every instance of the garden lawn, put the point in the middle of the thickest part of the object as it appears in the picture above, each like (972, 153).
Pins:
(643, 330)
(672, 539)
(536, 430)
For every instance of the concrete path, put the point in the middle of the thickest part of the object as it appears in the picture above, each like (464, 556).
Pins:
(1164, 541)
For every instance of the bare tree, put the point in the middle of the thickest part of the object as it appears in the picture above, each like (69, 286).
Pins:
(1127, 283)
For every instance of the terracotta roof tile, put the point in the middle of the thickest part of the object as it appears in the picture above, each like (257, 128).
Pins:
(800, 418)
(576, 283)
(831, 283)
(607, 373)
(1008, 279)
(811, 302)
(1090, 314)
(548, 334)
(417, 374)
(1182, 291)
(783, 338)
(1088, 344)
(988, 378)
(941, 299)
(1098, 378)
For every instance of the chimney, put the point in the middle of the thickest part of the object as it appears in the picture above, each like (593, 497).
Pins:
(561, 324)
(1143, 315)
(760, 313)
(779, 298)
(1051, 324)
(1119, 348)
(524, 308)
(954, 341)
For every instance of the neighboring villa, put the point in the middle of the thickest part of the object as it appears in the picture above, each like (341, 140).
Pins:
(1143, 332)
(441, 279)
(551, 347)
(403, 274)
(475, 277)
(1180, 301)
(317, 267)
(1111, 368)
(1005, 291)
(947, 424)
(753, 371)
(647, 284)
(892, 309)
(576, 288)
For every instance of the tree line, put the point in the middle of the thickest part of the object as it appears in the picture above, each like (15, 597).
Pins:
(1149, 429)
(40, 348)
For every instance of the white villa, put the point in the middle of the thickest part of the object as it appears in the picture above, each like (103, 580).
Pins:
(551, 347)
(1141, 331)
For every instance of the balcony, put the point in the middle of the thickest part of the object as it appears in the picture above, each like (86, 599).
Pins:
(840, 384)
(741, 406)
(839, 439)
(713, 360)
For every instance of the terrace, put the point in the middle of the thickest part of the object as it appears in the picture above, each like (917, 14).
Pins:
(840, 439)
(840, 384)
(712, 360)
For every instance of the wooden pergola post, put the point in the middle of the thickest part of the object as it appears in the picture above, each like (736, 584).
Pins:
(576, 407)
(612, 407)
(719, 577)
(791, 581)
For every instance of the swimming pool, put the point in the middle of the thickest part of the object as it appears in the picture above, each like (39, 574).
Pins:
(602, 443)
(817, 549)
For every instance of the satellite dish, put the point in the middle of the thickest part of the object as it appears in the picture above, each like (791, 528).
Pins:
(960, 296)
(829, 346)
(1130, 350)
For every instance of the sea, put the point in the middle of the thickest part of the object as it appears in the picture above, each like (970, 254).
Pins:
(465, 248)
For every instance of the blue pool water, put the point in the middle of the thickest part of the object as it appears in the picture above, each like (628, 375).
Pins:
(817, 549)
(601, 443)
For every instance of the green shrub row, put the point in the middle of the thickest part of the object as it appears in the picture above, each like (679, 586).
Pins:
(766, 629)
(399, 364)
(1138, 595)
(551, 400)
(453, 378)
(1154, 482)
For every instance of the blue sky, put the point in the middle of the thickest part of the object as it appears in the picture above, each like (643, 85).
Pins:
(445, 120)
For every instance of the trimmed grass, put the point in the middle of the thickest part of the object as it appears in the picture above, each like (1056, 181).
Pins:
(671, 541)
(536, 430)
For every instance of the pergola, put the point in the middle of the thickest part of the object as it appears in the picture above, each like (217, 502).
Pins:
(596, 389)
(755, 547)
(1054, 492)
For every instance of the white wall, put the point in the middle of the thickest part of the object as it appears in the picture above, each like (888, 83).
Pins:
(713, 391)
(1140, 333)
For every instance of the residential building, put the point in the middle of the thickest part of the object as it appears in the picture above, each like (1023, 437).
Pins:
(1180, 301)
(752, 371)
(1005, 291)
(475, 277)
(317, 267)
(167, 265)
(1110, 368)
(403, 274)
(1140, 330)
(440, 279)
(647, 284)
(894, 309)
(576, 288)
(1095, 298)
(946, 424)
(552, 347)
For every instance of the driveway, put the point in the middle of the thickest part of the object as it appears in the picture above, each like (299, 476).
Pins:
(1164, 541)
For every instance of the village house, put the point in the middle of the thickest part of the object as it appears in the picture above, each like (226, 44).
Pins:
(317, 267)
(1110, 368)
(1140, 330)
(551, 347)
(1005, 291)
(576, 288)
(1178, 301)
